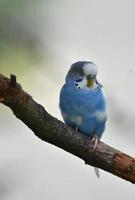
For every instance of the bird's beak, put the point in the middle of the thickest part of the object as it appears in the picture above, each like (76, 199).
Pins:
(90, 81)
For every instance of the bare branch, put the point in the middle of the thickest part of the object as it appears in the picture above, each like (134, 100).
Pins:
(51, 130)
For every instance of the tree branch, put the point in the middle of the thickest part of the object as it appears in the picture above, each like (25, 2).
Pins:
(51, 130)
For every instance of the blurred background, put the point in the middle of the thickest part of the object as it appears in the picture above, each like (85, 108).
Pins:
(39, 40)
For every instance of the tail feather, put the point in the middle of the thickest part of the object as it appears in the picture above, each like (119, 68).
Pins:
(97, 172)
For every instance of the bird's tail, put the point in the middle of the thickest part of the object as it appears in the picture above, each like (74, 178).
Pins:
(97, 172)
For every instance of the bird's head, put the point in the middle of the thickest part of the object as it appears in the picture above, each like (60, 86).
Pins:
(83, 73)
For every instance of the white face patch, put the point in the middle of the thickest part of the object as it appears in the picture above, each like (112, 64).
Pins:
(90, 69)
(81, 84)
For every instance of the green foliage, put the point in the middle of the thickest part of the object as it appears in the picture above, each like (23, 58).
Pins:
(17, 59)
(15, 5)
(17, 45)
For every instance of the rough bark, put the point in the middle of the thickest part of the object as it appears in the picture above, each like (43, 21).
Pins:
(53, 131)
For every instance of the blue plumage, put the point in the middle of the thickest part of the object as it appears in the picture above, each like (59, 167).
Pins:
(82, 100)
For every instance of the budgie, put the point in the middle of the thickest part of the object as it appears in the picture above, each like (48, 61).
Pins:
(83, 102)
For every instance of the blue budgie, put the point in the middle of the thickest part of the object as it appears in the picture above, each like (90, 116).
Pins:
(82, 101)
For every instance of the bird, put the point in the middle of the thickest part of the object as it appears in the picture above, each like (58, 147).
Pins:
(82, 101)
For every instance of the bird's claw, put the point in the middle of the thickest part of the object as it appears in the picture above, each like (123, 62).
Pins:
(95, 141)
(76, 129)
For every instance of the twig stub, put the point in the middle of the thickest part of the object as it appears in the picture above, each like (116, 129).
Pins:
(12, 80)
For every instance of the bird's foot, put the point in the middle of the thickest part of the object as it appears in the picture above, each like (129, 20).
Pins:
(76, 129)
(94, 140)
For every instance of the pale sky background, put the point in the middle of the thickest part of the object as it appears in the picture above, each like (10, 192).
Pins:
(66, 32)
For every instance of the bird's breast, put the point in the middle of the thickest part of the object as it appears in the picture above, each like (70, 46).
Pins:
(81, 102)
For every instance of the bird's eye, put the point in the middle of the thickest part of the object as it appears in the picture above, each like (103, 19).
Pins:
(76, 84)
(91, 76)
(79, 80)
